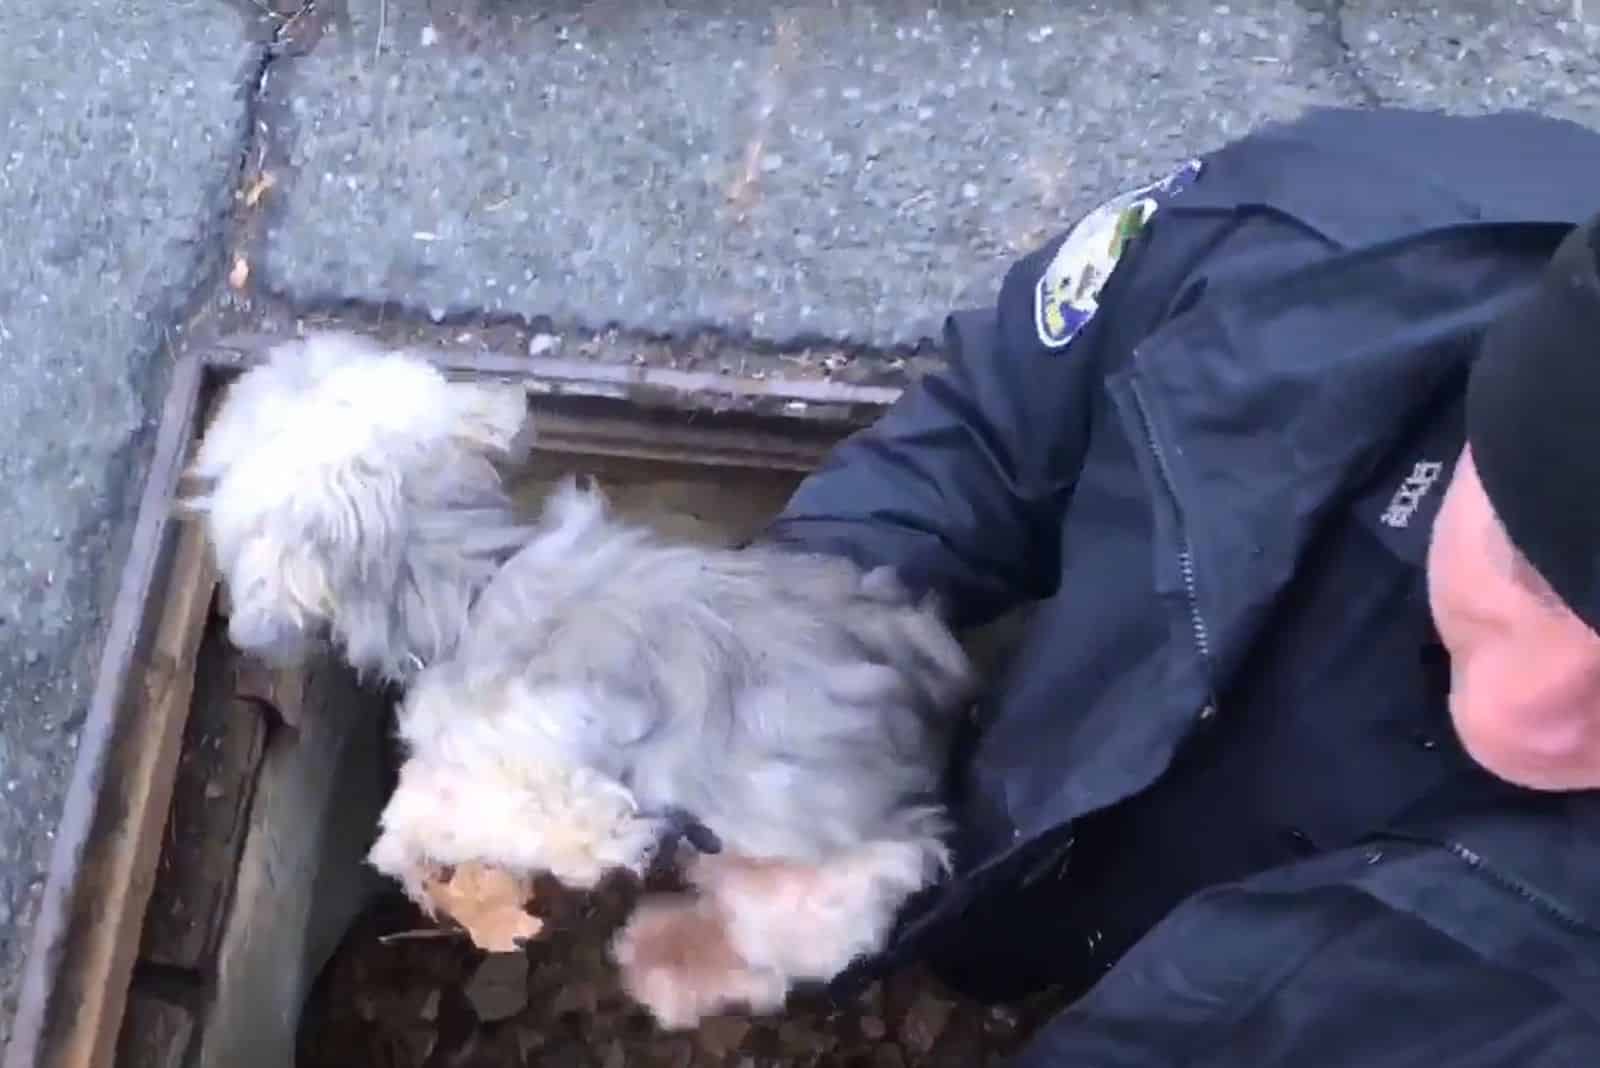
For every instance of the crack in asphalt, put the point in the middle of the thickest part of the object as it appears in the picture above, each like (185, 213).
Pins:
(1349, 59)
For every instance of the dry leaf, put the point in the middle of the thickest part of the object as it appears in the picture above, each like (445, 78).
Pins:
(487, 903)
(529, 1042)
(240, 273)
(678, 1053)
(418, 1043)
(888, 1057)
(578, 996)
(499, 988)
(263, 182)
(797, 1039)
(925, 1021)
(721, 1035)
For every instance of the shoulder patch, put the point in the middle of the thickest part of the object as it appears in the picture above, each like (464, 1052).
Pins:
(1068, 292)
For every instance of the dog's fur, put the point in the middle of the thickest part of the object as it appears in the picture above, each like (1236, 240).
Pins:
(800, 709)
(351, 493)
(572, 682)
(752, 927)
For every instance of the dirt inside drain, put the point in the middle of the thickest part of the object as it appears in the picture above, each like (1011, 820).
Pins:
(400, 994)
(221, 915)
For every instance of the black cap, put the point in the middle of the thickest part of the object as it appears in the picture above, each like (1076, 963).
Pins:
(1533, 421)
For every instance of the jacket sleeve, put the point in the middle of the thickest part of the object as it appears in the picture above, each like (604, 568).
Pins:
(960, 485)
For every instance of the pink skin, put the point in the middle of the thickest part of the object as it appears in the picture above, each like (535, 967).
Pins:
(1525, 671)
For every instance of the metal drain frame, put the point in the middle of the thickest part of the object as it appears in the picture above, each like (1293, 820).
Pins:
(80, 961)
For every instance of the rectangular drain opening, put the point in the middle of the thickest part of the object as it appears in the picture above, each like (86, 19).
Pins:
(177, 918)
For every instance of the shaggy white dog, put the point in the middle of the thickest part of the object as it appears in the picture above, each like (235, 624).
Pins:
(350, 493)
(799, 709)
(574, 687)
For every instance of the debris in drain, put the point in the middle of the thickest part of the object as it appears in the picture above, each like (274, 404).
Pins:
(404, 992)
(423, 932)
(925, 1022)
(499, 988)
(423, 1003)
(263, 182)
(488, 904)
(721, 1035)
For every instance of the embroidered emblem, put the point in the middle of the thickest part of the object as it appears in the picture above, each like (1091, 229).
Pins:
(1068, 293)
(1408, 498)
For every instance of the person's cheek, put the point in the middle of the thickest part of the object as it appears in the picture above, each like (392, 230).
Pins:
(1449, 581)
(1527, 737)
(1482, 712)
(1473, 726)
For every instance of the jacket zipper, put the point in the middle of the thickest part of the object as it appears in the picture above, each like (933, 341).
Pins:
(1471, 858)
(1197, 623)
(1515, 886)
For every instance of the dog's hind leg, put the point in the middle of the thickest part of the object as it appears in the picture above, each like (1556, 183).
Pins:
(809, 921)
(758, 927)
(676, 959)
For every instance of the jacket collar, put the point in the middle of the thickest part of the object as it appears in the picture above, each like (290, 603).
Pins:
(1266, 405)
(1270, 406)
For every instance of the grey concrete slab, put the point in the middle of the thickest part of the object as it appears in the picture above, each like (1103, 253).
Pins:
(1473, 56)
(121, 124)
(798, 171)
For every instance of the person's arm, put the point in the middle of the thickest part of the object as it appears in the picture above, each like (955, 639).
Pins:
(960, 485)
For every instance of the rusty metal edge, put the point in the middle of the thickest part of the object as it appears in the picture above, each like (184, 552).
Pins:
(797, 396)
(178, 428)
(53, 924)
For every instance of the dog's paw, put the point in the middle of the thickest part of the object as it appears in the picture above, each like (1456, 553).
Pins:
(677, 961)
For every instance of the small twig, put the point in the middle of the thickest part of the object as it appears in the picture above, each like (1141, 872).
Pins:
(420, 934)
(383, 21)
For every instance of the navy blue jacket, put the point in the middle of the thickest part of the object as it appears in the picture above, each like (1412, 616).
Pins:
(1216, 789)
